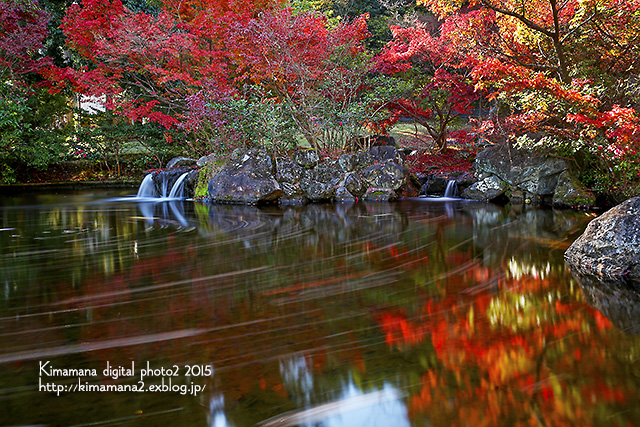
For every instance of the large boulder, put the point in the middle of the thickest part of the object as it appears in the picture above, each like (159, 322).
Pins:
(248, 180)
(531, 177)
(380, 195)
(317, 191)
(486, 190)
(535, 173)
(610, 246)
(288, 171)
(306, 158)
(385, 153)
(355, 185)
(387, 175)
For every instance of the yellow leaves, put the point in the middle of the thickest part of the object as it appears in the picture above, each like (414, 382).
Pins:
(442, 8)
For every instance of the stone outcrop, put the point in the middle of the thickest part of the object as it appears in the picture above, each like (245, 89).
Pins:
(253, 178)
(247, 180)
(524, 176)
(610, 246)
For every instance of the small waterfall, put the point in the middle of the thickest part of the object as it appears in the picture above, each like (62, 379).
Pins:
(452, 189)
(147, 187)
(177, 191)
(164, 188)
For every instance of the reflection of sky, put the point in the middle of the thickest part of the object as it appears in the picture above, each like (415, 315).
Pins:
(381, 408)
(217, 416)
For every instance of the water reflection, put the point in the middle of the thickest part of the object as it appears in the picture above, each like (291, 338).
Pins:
(619, 300)
(411, 313)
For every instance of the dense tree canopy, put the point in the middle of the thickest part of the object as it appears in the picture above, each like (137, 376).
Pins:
(558, 75)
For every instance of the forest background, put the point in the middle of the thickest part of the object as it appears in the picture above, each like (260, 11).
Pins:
(192, 77)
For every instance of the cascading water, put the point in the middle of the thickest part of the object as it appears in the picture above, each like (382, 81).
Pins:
(177, 191)
(163, 186)
(452, 189)
(147, 187)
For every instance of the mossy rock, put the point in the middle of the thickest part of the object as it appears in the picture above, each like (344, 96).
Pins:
(205, 174)
(571, 193)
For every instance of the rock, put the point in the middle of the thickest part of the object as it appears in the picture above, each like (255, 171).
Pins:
(288, 171)
(343, 196)
(355, 185)
(247, 180)
(348, 162)
(389, 175)
(181, 162)
(383, 153)
(570, 192)
(317, 191)
(306, 158)
(291, 190)
(327, 174)
(610, 246)
(380, 195)
(331, 162)
(523, 169)
(364, 160)
(206, 159)
(434, 186)
(208, 167)
(486, 190)
(381, 140)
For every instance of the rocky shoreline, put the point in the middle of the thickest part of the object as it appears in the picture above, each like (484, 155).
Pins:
(503, 174)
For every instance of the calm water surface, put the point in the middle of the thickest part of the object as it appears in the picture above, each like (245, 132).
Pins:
(409, 314)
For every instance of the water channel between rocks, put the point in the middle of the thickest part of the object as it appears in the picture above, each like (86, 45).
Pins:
(415, 313)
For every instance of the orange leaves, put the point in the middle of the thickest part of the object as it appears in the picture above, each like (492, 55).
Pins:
(500, 352)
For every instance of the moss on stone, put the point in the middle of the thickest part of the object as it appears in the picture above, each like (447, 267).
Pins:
(205, 174)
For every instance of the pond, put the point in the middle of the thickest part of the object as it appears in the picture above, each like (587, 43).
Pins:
(114, 311)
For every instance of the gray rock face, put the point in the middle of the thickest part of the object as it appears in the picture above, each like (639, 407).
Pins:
(288, 171)
(247, 180)
(384, 153)
(251, 178)
(306, 158)
(327, 174)
(570, 192)
(380, 195)
(610, 246)
(389, 175)
(355, 185)
(526, 170)
(348, 162)
(529, 176)
(486, 190)
(317, 191)
(344, 196)
(206, 159)
(181, 162)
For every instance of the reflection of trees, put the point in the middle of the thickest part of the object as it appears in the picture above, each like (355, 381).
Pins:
(468, 313)
(520, 354)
